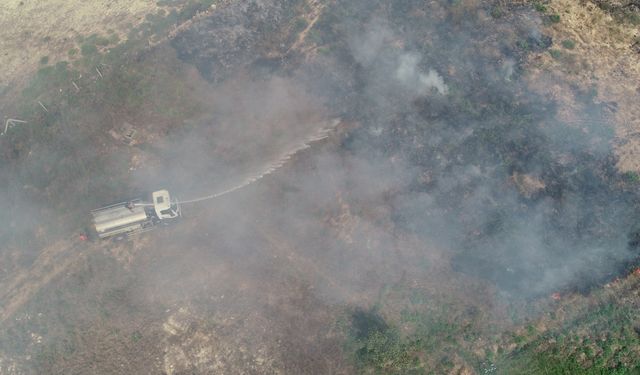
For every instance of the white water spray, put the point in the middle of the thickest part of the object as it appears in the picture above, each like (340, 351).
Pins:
(320, 135)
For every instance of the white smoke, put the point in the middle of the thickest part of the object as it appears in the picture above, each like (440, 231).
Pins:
(410, 75)
(366, 48)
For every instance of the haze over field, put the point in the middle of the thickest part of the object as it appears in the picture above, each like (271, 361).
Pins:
(409, 187)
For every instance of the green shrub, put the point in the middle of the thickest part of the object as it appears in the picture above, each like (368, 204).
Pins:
(385, 351)
(97, 40)
(497, 12)
(523, 45)
(88, 49)
(554, 18)
(540, 7)
(376, 345)
(568, 44)
(631, 177)
(44, 60)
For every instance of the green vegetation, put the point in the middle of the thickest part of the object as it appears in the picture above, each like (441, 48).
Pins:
(631, 177)
(160, 23)
(92, 44)
(568, 44)
(431, 335)
(548, 364)
(384, 350)
(602, 340)
(97, 40)
(497, 12)
(539, 7)
(548, 18)
(555, 53)
(44, 60)
(622, 11)
(554, 18)
(378, 345)
(633, 18)
(88, 49)
(523, 45)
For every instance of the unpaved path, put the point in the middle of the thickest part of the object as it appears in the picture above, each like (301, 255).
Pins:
(316, 9)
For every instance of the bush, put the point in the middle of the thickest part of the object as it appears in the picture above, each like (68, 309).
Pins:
(376, 345)
(568, 44)
(554, 18)
(523, 45)
(88, 49)
(540, 7)
(631, 177)
(622, 11)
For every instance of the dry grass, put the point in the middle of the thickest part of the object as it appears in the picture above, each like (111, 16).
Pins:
(30, 30)
(601, 57)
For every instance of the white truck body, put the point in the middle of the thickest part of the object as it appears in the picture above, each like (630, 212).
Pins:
(134, 217)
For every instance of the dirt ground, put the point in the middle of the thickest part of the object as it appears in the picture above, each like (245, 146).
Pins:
(31, 30)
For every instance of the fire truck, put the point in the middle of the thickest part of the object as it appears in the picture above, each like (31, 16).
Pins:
(125, 219)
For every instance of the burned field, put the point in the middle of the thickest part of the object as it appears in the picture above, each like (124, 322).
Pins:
(425, 235)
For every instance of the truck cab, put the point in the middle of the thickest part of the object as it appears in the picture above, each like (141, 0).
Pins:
(163, 207)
